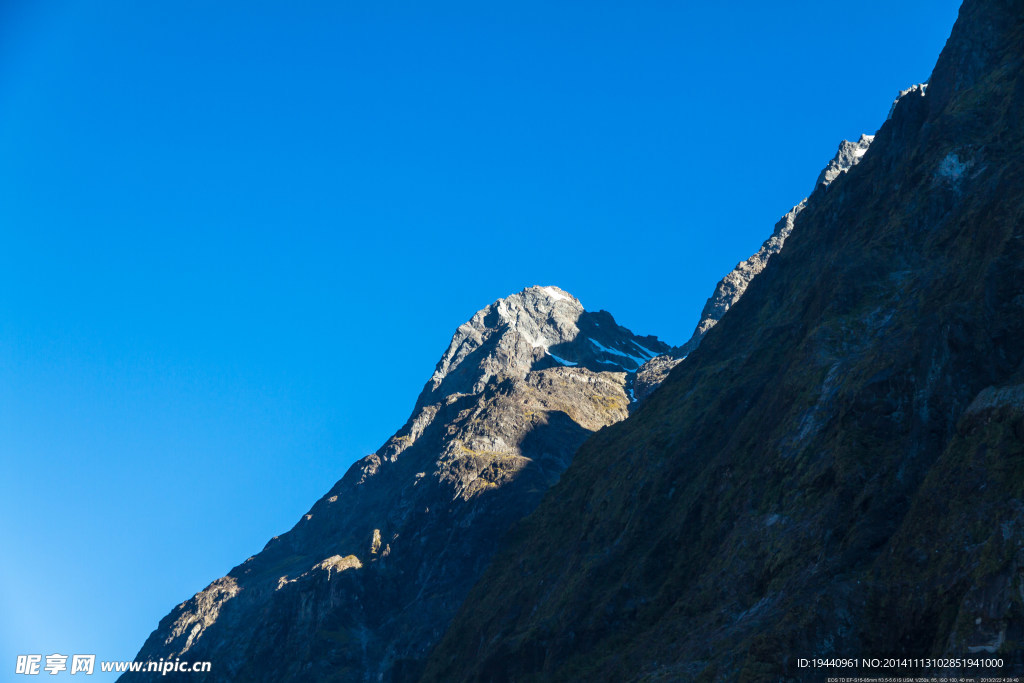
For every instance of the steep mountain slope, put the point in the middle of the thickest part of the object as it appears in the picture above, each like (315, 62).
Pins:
(364, 585)
(838, 469)
(731, 287)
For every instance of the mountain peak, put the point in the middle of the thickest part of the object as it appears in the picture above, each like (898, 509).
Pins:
(537, 328)
(554, 293)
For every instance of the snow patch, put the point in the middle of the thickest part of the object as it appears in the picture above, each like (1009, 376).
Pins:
(562, 360)
(540, 342)
(637, 360)
(646, 351)
(555, 294)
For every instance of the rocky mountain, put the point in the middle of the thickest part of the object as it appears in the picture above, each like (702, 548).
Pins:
(519, 388)
(838, 469)
(365, 584)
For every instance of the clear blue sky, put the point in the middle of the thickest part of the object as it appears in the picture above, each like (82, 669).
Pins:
(237, 236)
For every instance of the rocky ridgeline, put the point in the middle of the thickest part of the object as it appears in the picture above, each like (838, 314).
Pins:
(731, 287)
(365, 584)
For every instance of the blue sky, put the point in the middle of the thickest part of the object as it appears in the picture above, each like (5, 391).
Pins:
(236, 238)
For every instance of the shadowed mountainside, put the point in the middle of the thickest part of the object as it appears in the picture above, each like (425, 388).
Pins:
(838, 469)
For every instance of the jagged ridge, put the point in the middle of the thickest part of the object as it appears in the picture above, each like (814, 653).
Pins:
(731, 287)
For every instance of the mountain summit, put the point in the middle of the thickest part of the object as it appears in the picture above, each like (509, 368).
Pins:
(365, 584)
(536, 329)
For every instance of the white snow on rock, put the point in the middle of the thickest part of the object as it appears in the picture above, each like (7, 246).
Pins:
(637, 360)
(539, 343)
(646, 351)
(555, 294)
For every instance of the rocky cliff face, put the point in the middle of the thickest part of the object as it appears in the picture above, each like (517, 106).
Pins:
(838, 469)
(366, 582)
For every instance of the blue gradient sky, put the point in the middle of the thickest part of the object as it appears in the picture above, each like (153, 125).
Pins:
(237, 236)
